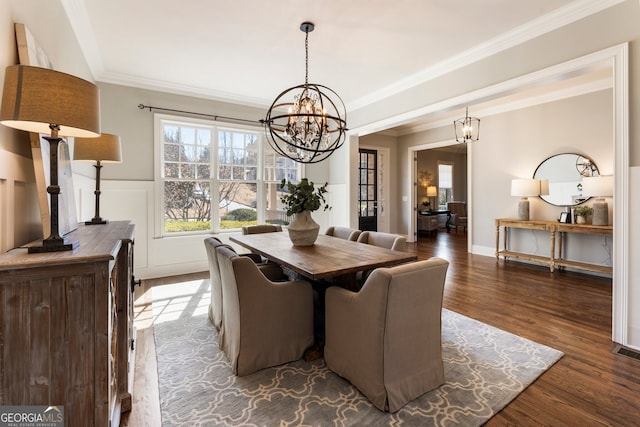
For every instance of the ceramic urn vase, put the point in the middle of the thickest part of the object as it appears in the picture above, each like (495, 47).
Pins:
(303, 230)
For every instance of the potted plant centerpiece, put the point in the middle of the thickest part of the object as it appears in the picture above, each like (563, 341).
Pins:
(302, 199)
(582, 212)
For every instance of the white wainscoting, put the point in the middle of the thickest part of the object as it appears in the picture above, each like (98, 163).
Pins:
(156, 256)
(19, 212)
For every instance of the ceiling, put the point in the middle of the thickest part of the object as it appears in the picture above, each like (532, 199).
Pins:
(247, 51)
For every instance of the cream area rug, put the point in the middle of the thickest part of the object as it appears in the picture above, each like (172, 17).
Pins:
(485, 368)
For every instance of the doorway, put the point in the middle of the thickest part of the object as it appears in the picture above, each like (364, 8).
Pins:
(440, 177)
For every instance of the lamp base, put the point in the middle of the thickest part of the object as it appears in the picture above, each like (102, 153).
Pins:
(523, 209)
(54, 245)
(96, 221)
(600, 213)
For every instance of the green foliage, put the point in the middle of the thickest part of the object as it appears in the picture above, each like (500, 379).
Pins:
(228, 225)
(187, 226)
(242, 214)
(303, 196)
(583, 210)
(182, 226)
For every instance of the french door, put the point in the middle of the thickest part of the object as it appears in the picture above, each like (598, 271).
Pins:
(368, 190)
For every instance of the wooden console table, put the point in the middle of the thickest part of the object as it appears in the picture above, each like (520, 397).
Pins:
(557, 231)
(66, 326)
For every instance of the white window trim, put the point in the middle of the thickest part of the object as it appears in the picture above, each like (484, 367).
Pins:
(158, 227)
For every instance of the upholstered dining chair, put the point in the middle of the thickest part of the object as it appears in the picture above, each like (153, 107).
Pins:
(272, 271)
(345, 233)
(264, 323)
(386, 338)
(394, 242)
(458, 215)
(261, 228)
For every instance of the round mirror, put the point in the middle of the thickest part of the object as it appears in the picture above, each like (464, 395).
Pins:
(565, 172)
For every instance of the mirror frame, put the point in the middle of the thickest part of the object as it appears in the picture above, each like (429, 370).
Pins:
(585, 166)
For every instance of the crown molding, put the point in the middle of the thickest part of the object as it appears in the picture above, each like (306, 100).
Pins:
(180, 89)
(81, 27)
(531, 101)
(80, 23)
(592, 61)
(547, 23)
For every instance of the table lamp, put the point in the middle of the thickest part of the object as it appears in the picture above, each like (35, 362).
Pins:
(524, 188)
(598, 187)
(103, 149)
(432, 191)
(544, 187)
(41, 100)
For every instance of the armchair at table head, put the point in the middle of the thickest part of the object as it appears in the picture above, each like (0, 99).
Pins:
(394, 242)
(386, 339)
(345, 233)
(261, 228)
(272, 271)
(215, 306)
(458, 215)
(264, 323)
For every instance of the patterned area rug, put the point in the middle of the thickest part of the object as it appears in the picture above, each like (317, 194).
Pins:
(485, 368)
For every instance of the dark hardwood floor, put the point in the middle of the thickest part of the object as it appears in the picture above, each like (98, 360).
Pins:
(590, 386)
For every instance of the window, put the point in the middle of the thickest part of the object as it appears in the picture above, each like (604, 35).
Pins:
(215, 178)
(445, 183)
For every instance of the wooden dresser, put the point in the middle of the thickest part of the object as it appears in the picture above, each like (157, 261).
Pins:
(66, 326)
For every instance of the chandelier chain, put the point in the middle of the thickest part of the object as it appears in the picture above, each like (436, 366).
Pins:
(306, 58)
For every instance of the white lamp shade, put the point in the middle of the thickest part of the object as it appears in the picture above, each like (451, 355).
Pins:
(34, 98)
(432, 191)
(597, 186)
(105, 148)
(544, 187)
(525, 187)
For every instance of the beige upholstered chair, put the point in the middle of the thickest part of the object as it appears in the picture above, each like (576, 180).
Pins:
(272, 271)
(261, 228)
(386, 339)
(384, 240)
(345, 233)
(458, 215)
(264, 323)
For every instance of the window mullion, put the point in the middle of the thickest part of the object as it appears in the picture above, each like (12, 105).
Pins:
(215, 181)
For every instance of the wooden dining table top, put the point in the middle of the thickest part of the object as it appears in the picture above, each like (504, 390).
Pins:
(328, 257)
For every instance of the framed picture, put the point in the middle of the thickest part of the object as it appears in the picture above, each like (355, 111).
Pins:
(67, 215)
(565, 217)
(30, 53)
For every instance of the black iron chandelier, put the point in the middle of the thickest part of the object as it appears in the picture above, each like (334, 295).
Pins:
(308, 122)
(467, 129)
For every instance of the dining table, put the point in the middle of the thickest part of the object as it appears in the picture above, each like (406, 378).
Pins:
(330, 261)
(328, 258)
